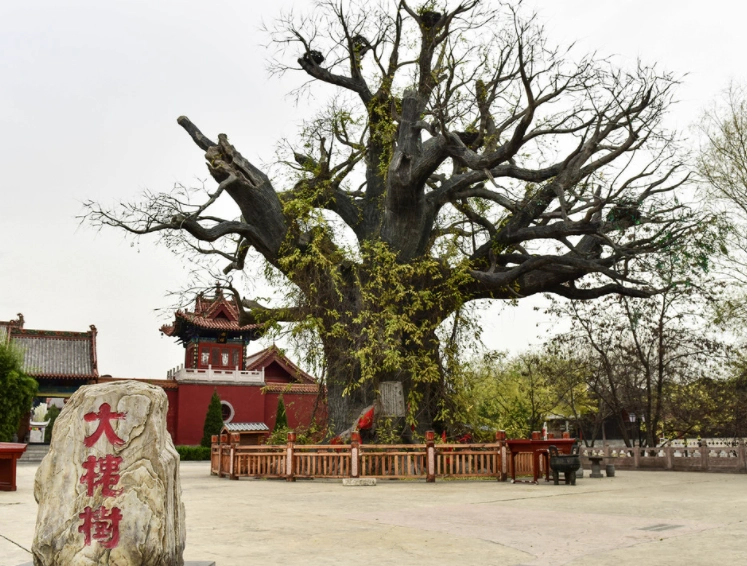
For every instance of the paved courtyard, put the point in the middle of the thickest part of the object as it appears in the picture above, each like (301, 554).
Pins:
(637, 518)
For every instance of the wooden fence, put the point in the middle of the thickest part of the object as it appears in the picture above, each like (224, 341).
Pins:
(706, 456)
(430, 460)
(405, 461)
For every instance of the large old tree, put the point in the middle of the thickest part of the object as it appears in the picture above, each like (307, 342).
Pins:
(461, 158)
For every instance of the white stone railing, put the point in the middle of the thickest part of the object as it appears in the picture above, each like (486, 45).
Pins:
(695, 442)
(705, 457)
(183, 374)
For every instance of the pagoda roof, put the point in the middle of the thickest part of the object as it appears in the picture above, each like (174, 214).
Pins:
(217, 313)
(52, 354)
(272, 354)
(297, 388)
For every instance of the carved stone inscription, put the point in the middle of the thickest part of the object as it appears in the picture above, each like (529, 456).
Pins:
(392, 398)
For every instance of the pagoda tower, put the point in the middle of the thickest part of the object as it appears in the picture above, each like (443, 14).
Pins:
(215, 361)
(211, 334)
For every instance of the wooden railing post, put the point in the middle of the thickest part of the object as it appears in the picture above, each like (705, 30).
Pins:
(355, 442)
(235, 438)
(289, 471)
(213, 442)
(669, 454)
(430, 456)
(500, 438)
(223, 440)
(636, 456)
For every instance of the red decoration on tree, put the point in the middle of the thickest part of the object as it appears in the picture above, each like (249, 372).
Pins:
(104, 415)
(104, 523)
(367, 419)
(107, 476)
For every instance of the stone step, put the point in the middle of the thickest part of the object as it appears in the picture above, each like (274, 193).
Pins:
(34, 453)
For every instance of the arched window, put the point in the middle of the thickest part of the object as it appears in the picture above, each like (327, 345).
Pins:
(227, 411)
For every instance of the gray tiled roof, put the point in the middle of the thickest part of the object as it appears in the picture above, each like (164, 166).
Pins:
(245, 427)
(56, 355)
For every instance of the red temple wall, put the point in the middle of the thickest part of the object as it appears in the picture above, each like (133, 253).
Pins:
(193, 401)
(298, 409)
(172, 415)
(189, 403)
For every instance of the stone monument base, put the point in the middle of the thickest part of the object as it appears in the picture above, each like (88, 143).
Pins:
(186, 563)
(359, 481)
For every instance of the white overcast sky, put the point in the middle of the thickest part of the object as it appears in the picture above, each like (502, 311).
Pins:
(89, 96)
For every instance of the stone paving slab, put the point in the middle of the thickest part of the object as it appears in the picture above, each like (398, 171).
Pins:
(637, 518)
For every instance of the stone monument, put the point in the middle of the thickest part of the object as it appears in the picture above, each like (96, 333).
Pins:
(108, 490)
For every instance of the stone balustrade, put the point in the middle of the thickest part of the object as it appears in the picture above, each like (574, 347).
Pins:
(715, 455)
(211, 375)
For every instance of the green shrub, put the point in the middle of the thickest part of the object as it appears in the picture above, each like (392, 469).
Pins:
(304, 435)
(278, 436)
(193, 453)
(17, 391)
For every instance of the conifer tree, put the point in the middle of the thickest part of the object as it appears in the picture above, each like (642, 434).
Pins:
(213, 419)
(281, 420)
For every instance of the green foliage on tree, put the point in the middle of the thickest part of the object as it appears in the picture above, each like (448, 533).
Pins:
(388, 430)
(281, 419)
(52, 415)
(17, 391)
(518, 394)
(213, 419)
(710, 407)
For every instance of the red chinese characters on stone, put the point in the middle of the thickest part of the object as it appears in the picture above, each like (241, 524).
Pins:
(102, 525)
(106, 476)
(104, 416)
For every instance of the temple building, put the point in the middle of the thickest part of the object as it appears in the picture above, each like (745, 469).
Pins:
(60, 361)
(211, 334)
(215, 360)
